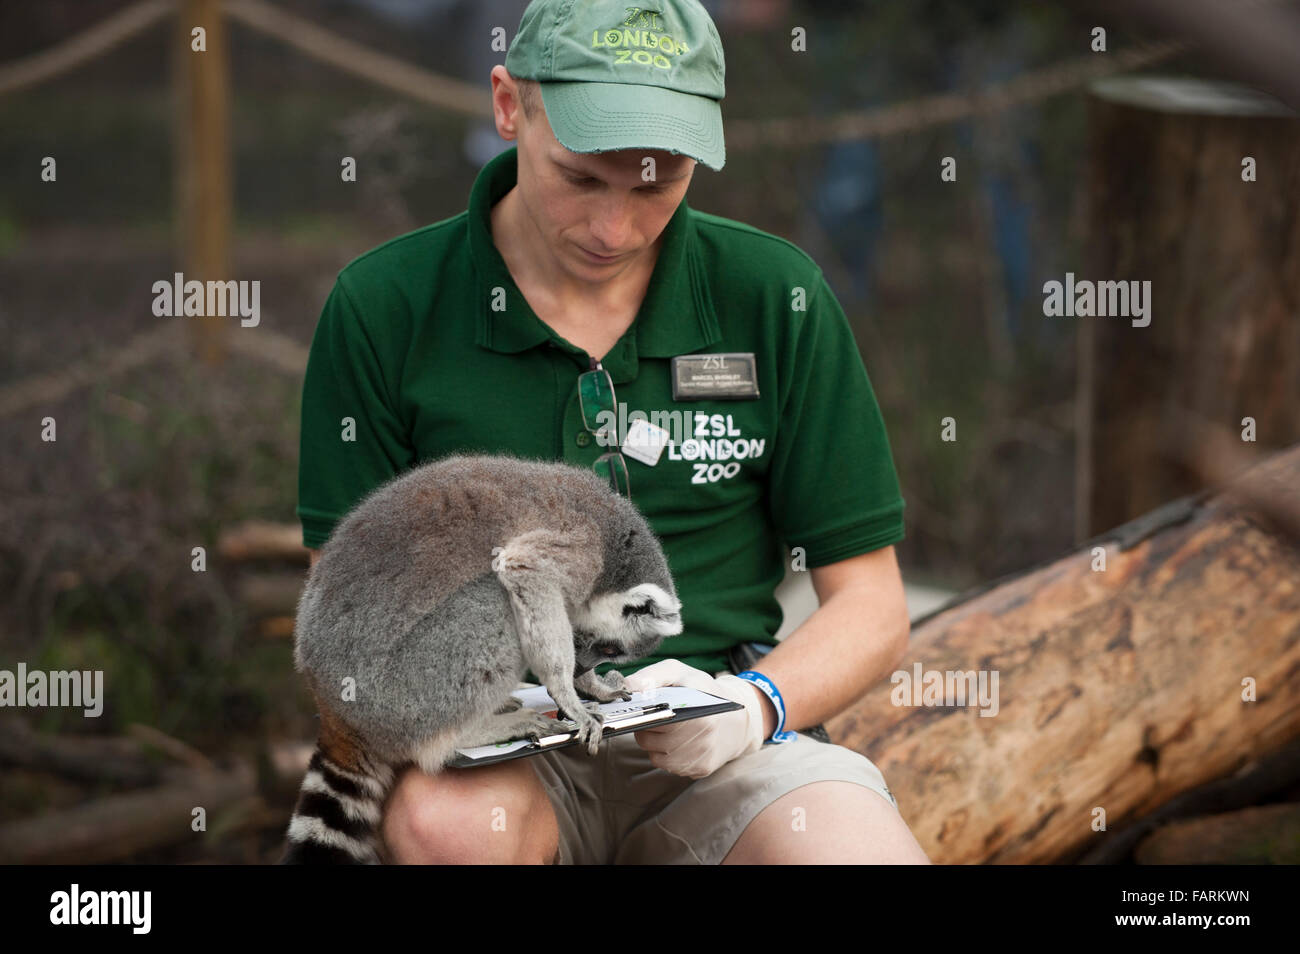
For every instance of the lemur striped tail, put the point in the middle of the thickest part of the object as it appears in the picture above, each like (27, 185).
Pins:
(336, 820)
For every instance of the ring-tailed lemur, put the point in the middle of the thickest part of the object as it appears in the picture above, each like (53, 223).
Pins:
(430, 600)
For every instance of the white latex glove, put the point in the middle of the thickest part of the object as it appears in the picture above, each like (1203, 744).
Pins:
(698, 747)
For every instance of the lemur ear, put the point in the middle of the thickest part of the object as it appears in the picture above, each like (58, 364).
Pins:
(648, 601)
(627, 540)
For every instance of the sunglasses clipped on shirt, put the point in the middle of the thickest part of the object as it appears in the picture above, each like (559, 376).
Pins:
(596, 395)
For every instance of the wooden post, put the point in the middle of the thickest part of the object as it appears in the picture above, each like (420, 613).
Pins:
(203, 192)
(1167, 204)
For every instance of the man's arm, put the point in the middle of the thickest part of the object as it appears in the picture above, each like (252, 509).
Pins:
(315, 555)
(354, 436)
(857, 636)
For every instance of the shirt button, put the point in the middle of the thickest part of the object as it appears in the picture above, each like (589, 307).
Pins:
(583, 439)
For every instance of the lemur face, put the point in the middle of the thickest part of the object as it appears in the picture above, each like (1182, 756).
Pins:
(624, 626)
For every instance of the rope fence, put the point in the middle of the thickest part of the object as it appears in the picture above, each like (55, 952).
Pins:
(425, 86)
(94, 41)
(49, 388)
(926, 111)
(272, 348)
(467, 99)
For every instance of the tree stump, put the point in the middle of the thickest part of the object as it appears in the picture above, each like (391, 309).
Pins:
(1167, 204)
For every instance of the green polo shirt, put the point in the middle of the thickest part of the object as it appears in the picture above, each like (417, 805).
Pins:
(426, 348)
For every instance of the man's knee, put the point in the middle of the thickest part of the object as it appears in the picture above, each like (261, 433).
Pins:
(828, 822)
(496, 814)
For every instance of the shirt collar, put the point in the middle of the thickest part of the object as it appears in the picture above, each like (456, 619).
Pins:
(676, 316)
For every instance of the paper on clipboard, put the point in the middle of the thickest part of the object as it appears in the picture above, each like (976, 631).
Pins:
(677, 698)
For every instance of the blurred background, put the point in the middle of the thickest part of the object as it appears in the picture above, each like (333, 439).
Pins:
(170, 439)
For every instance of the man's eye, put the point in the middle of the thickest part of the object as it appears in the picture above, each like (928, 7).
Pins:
(573, 180)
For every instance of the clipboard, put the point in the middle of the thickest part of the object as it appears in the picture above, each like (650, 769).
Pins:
(662, 706)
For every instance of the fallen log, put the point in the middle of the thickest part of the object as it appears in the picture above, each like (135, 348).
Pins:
(1118, 688)
(259, 540)
(1260, 835)
(120, 826)
(1218, 456)
(170, 746)
(1263, 780)
(276, 627)
(89, 758)
(270, 594)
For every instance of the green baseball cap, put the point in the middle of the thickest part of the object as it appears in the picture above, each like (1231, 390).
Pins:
(615, 76)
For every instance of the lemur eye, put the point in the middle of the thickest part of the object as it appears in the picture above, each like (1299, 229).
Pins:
(637, 610)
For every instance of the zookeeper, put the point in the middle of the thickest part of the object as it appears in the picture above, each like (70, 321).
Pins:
(580, 287)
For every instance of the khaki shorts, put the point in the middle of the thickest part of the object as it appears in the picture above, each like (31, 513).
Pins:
(617, 808)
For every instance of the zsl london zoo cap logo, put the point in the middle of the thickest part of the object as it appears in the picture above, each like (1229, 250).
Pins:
(615, 76)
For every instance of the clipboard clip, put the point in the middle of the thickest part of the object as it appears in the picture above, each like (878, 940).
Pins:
(642, 715)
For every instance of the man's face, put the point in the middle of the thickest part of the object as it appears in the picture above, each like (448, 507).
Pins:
(598, 213)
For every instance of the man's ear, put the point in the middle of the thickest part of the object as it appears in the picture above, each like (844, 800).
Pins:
(507, 110)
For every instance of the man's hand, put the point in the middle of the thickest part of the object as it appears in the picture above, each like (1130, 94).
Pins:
(698, 747)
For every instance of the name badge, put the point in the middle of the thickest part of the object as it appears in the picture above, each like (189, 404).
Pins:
(715, 377)
(645, 441)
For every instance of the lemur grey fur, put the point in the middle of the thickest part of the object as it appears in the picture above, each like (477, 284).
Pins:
(430, 600)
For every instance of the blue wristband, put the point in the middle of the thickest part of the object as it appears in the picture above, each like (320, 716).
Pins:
(768, 688)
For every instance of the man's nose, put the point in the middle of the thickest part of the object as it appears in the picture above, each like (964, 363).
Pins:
(611, 222)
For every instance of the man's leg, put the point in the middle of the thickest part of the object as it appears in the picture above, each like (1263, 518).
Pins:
(495, 814)
(827, 823)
